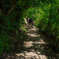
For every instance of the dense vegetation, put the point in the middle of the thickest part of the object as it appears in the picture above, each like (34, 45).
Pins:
(12, 13)
(46, 18)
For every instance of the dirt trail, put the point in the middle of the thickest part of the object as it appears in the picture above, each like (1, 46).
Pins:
(35, 47)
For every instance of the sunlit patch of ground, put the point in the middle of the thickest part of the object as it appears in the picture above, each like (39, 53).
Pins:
(31, 55)
(33, 35)
(28, 44)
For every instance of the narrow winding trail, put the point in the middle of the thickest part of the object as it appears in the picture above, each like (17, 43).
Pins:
(35, 47)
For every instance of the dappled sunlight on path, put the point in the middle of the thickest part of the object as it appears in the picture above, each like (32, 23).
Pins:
(34, 47)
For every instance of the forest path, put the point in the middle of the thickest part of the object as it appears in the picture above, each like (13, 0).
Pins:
(34, 47)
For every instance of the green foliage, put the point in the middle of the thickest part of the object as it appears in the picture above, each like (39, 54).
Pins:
(11, 18)
(47, 18)
(29, 12)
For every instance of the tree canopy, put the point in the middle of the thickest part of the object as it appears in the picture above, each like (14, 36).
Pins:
(12, 12)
